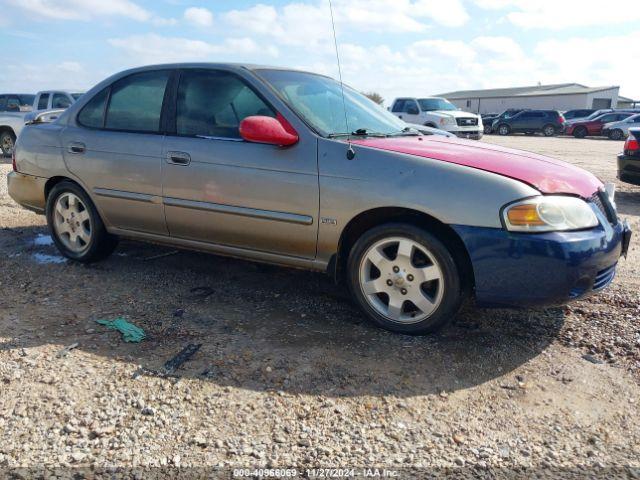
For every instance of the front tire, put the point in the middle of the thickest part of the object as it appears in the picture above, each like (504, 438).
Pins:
(504, 130)
(7, 143)
(404, 279)
(616, 134)
(75, 225)
(580, 132)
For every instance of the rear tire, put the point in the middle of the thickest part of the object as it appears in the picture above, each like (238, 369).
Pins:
(75, 225)
(504, 129)
(487, 129)
(7, 143)
(549, 130)
(404, 279)
(616, 134)
(580, 132)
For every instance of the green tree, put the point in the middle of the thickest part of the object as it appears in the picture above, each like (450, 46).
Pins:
(376, 97)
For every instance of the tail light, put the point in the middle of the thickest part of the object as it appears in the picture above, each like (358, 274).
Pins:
(562, 120)
(13, 159)
(631, 145)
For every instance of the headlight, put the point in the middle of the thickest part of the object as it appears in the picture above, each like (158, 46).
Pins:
(549, 214)
(447, 121)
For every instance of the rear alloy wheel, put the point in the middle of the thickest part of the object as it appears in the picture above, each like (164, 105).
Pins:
(616, 134)
(549, 130)
(405, 279)
(504, 130)
(7, 143)
(75, 225)
(580, 132)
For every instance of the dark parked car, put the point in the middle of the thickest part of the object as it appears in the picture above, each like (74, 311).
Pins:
(629, 159)
(489, 119)
(592, 126)
(548, 122)
(580, 113)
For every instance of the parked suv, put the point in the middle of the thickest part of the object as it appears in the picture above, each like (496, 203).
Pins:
(548, 122)
(253, 162)
(439, 113)
(489, 120)
(592, 126)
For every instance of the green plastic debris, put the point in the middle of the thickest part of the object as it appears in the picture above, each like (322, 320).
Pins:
(130, 332)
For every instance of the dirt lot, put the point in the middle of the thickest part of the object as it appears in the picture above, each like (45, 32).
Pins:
(290, 375)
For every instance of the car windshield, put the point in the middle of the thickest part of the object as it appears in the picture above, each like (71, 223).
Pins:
(595, 114)
(431, 104)
(318, 100)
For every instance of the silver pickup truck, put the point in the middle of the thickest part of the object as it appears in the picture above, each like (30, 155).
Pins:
(18, 109)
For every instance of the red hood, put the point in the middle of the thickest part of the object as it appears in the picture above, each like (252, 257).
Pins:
(545, 174)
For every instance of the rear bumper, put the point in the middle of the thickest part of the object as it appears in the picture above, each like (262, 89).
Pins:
(629, 169)
(27, 191)
(523, 270)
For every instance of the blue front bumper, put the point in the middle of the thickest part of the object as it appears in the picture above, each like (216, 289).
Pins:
(516, 269)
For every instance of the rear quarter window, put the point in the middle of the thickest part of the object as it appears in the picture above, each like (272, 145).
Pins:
(92, 114)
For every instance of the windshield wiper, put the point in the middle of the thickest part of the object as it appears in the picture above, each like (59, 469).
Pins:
(360, 132)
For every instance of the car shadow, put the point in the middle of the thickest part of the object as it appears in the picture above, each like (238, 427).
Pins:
(260, 327)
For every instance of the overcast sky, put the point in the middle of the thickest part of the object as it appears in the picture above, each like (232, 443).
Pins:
(394, 47)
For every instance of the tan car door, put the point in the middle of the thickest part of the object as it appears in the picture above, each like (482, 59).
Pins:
(222, 190)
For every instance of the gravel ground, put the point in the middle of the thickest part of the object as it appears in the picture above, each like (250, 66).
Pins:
(290, 375)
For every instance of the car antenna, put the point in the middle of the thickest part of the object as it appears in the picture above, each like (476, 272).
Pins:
(351, 153)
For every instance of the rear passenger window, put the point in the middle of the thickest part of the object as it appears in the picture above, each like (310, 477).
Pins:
(3, 103)
(43, 101)
(136, 102)
(92, 114)
(212, 104)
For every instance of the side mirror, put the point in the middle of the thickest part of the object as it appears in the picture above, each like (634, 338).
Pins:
(261, 129)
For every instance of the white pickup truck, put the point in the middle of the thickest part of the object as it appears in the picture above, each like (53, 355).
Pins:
(438, 113)
(17, 109)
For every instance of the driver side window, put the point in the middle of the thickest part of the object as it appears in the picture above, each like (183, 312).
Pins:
(212, 104)
(411, 107)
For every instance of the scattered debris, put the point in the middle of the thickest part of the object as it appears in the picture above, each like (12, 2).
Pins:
(63, 353)
(131, 333)
(45, 259)
(592, 359)
(200, 292)
(183, 356)
(178, 313)
(43, 240)
(161, 255)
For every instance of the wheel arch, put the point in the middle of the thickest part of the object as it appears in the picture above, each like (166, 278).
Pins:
(8, 129)
(53, 181)
(369, 219)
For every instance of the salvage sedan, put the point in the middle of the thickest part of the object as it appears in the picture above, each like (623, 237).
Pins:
(286, 167)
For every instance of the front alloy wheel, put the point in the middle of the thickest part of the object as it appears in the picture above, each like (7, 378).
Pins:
(404, 278)
(504, 130)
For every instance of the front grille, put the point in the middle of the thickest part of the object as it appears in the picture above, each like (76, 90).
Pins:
(604, 277)
(467, 121)
(601, 200)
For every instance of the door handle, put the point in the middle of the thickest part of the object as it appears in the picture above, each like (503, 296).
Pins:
(77, 147)
(399, 116)
(178, 158)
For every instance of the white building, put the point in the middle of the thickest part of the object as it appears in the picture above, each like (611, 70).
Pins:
(563, 96)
